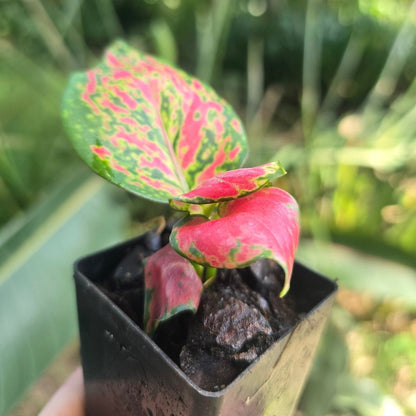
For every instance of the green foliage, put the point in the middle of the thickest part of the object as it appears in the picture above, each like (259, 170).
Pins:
(328, 367)
(353, 41)
(342, 123)
(30, 151)
(37, 300)
(396, 354)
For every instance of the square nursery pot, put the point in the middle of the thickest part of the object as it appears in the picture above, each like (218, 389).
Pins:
(127, 374)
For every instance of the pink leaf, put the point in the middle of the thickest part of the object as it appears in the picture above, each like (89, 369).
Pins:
(264, 224)
(230, 185)
(172, 286)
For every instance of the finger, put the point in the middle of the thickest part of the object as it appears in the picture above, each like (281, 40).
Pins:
(69, 399)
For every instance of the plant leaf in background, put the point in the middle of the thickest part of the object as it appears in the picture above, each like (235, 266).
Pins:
(151, 129)
(230, 185)
(238, 238)
(172, 286)
(37, 298)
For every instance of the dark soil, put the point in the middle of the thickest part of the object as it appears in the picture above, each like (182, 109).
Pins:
(239, 317)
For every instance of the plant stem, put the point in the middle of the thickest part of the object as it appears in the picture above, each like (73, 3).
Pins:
(209, 282)
(210, 274)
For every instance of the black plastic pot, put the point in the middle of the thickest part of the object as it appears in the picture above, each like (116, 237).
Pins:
(127, 374)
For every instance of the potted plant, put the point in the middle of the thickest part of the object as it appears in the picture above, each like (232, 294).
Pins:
(206, 292)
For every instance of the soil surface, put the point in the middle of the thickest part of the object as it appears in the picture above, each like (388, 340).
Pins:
(239, 316)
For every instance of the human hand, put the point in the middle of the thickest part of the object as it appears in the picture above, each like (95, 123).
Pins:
(69, 399)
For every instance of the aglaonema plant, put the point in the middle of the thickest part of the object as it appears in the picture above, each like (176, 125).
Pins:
(163, 135)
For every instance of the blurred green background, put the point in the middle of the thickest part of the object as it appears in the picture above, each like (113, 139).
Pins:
(326, 87)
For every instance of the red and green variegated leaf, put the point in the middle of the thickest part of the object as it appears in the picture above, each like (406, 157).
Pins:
(264, 224)
(150, 128)
(230, 185)
(172, 285)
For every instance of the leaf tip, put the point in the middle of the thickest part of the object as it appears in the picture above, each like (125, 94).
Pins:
(284, 291)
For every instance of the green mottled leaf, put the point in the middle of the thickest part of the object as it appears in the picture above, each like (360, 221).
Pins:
(149, 128)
